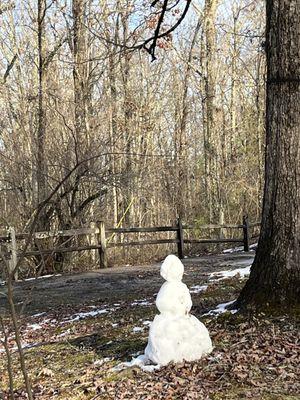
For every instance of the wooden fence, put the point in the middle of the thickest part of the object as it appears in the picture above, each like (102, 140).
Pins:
(98, 238)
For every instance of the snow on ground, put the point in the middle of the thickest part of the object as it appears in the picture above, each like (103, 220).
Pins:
(143, 302)
(198, 288)
(140, 361)
(146, 324)
(242, 269)
(137, 329)
(220, 275)
(2, 283)
(87, 314)
(237, 249)
(38, 315)
(40, 277)
(104, 360)
(221, 308)
(34, 327)
(106, 309)
(24, 347)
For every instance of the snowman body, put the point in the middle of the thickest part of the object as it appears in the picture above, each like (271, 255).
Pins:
(175, 335)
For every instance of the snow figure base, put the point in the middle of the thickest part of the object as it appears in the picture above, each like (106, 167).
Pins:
(175, 335)
(177, 338)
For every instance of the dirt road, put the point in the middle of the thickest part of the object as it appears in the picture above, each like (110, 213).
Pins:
(114, 284)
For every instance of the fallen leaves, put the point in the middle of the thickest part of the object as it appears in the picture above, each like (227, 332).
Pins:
(255, 361)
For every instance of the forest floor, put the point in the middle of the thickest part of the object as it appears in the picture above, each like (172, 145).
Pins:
(77, 329)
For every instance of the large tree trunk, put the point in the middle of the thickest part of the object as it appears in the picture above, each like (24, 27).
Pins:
(275, 275)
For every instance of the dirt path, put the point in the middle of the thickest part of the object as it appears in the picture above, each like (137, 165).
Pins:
(114, 284)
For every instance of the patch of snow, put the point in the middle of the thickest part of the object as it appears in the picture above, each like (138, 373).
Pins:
(141, 361)
(83, 315)
(38, 315)
(138, 353)
(114, 325)
(137, 329)
(30, 345)
(34, 327)
(222, 308)
(147, 323)
(102, 361)
(198, 289)
(143, 302)
(239, 248)
(150, 368)
(243, 272)
(24, 347)
(253, 246)
(40, 277)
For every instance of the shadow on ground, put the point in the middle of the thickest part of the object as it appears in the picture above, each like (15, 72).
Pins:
(121, 349)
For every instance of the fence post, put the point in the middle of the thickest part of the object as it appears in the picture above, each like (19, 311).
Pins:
(93, 241)
(13, 253)
(246, 232)
(102, 243)
(180, 244)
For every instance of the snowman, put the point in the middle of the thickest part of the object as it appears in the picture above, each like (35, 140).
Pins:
(175, 335)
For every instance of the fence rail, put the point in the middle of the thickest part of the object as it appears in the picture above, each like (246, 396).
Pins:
(98, 233)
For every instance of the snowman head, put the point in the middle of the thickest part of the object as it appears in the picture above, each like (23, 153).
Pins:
(172, 269)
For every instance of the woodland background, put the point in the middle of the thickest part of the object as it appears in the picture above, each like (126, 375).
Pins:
(182, 135)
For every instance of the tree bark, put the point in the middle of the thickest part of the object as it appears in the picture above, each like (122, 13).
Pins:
(274, 281)
(41, 129)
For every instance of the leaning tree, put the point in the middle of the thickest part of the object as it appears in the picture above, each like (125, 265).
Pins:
(275, 275)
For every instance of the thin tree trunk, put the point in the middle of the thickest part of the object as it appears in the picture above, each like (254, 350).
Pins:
(112, 74)
(181, 135)
(209, 120)
(128, 126)
(80, 74)
(233, 94)
(13, 315)
(41, 131)
(9, 360)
